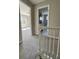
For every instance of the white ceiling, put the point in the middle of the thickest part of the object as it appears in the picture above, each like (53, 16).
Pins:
(36, 1)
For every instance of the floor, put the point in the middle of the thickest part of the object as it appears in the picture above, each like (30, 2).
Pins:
(28, 49)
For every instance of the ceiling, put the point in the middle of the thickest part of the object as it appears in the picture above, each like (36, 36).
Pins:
(36, 1)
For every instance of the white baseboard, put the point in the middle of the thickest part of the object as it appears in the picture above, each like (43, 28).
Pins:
(37, 33)
(26, 28)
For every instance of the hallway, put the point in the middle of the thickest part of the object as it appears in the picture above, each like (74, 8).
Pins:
(30, 45)
(39, 18)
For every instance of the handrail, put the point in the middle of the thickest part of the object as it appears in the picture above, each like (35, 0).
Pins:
(50, 36)
(51, 28)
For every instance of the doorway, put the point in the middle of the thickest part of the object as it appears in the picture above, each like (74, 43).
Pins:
(25, 13)
(43, 19)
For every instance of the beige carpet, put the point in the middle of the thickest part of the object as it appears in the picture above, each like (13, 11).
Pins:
(30, 45)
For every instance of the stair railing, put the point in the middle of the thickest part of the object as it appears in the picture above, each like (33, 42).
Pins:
(49, 45)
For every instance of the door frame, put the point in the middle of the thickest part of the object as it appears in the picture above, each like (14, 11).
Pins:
(38, 15)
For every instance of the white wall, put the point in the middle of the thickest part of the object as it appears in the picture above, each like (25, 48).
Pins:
(27, 2)
(25, 11)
